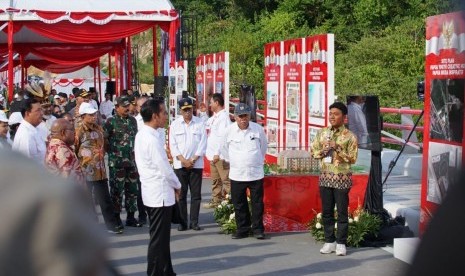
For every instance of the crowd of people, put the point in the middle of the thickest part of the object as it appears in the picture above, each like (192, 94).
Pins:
(118, 152)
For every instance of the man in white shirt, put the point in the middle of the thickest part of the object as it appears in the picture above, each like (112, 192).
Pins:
(140, 122)
(187, 141)
(219, 168)
(245, 147)
(47, 121)
(107, 107)
(357, 119)
(160, 186)
(140, 102)
(28, 140)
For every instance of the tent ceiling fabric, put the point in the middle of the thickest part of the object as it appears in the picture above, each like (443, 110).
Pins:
(83, 22)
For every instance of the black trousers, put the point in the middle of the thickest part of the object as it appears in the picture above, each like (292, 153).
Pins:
(159, 253)
(190, 180)
(102, 195)
(140, 203)
(340, 198)
(241, 206)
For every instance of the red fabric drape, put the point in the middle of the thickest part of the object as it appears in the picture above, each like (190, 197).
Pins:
(55, 68)
(69, 57)
(91, 33)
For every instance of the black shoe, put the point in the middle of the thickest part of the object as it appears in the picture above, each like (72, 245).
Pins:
(259, 236)
(195, 227)
(237, 236)
(143, 221)
(182, 227)
(133, 223)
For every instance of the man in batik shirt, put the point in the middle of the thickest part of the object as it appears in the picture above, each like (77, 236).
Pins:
(89, 146)
(121, 130)
(336, 147)
(60, 158)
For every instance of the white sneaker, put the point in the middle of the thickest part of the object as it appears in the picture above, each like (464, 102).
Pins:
(328, 248)
(341, 250)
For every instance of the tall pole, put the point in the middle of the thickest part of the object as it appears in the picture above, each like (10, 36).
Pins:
(10, 58)
(155, 52)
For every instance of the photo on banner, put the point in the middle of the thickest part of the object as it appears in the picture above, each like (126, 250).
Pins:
(272, 136)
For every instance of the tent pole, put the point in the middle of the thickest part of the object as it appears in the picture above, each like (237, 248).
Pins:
(99, 80)
(10, 59)
(95, 79)
(122, 67)
(109, 66)
(155, 52)
(23, 71)
(129, 54)
(118, 91)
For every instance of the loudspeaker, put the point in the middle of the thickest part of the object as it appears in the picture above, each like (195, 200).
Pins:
(111, 87)
(160, 86)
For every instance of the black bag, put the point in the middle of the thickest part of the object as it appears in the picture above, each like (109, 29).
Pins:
(176, 215)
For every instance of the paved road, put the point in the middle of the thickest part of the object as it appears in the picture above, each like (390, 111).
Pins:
(209, 253)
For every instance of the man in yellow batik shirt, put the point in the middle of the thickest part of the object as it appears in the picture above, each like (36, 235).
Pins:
(336, 147)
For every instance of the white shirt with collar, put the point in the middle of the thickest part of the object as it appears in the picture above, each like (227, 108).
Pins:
(216, 127)
(161, 130)
(106, 108)
(44, 127)
(188, 140)
(245, 150)
(29, 142)
(157, 177)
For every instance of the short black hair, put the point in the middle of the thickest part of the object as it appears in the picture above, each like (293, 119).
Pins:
(149, 108)
(217, 97)
(339, 105)
(28, 105)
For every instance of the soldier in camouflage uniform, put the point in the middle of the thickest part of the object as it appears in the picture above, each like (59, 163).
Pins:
(120, 131)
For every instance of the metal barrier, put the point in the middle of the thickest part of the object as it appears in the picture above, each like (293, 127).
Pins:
(387, 138)
(392, 139)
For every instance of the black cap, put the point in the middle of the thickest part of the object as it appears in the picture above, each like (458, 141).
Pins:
(82, 93)
(242, 108)
(63, 95)
(185, 103)
(122, 101)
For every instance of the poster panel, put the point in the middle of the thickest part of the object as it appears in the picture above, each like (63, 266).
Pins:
(209, 79)
(292, 78)
(221, 72)
(272, 78)
(177, 83)
(200, 80)
(319, 80)
(444, 99)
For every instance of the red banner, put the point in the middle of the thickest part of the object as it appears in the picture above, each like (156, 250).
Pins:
(444, 117)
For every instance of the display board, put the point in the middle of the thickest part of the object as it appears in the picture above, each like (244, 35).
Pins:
(177, 83)
(212, 76)
(443, 118)
(299, 83)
